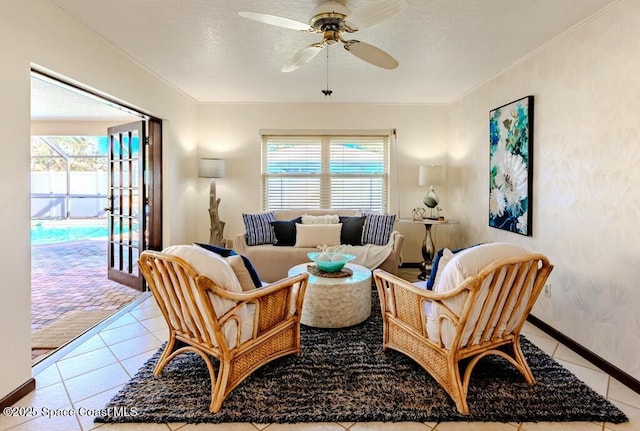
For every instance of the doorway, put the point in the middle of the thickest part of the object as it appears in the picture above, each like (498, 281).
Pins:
(70, 288)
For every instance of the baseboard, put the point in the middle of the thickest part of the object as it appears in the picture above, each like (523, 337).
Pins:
(18, 393)
(596, 360)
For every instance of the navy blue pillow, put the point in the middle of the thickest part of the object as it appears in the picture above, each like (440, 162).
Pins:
(436, 261)
(351, 232)
(285, 231)
(226, 252)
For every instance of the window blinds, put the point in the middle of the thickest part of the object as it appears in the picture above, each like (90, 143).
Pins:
(341, 172)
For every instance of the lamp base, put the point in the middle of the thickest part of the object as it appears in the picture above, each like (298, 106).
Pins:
(431, 199)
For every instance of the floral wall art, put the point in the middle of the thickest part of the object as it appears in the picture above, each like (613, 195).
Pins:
(510, 164)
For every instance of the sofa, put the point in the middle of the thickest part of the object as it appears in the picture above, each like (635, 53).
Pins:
(272, 262)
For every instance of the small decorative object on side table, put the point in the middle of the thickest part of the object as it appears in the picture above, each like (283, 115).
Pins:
(428, 247)
(418, 214)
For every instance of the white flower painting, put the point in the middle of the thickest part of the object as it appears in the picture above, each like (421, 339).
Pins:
(510, 150)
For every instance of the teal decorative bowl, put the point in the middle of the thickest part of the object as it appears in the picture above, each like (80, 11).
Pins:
(336, 261)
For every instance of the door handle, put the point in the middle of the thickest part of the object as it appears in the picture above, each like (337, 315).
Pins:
(109, 209)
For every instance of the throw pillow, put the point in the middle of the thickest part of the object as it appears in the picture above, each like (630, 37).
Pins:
(313, 235)
(285, 231)
(351, 232)
(237, 264)
(226, 252)
(220, 251)
(377, 228)
(321, 219)
(258, 227)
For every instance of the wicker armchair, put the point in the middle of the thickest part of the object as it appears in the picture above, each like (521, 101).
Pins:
(481, 316)
(185, 299)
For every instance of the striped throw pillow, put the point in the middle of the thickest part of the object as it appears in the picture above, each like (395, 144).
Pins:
(259, 229)
(377, 228)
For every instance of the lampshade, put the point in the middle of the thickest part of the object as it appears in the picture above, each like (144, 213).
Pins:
(431, 176)
(211, 168)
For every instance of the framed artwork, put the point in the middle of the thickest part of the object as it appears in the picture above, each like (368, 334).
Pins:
(511, 166)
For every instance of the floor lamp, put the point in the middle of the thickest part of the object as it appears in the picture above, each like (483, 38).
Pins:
(213, 168)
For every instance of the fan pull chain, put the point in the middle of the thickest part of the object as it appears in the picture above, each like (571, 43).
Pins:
(326, 91)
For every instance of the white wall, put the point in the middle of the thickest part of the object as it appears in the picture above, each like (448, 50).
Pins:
(33, 32)
(231, 132)
(586, 188)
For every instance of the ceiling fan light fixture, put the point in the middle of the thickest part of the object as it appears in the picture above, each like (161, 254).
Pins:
(332, 18)
(331, 7)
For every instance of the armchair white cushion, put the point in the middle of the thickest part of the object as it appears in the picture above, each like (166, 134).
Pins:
(467, 263)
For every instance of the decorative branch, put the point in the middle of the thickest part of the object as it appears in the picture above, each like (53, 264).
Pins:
(217, 225)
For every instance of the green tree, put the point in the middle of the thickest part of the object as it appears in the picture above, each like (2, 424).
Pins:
(49, 152)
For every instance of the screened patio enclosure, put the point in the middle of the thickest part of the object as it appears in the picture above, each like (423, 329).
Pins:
(69, 177)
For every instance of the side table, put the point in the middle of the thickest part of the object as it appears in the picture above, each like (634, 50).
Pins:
(428, 247)
(336, 302)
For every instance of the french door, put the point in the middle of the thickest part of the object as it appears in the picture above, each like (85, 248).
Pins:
(134, 210)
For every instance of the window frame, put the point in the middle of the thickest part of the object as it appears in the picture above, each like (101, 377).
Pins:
(325, 138)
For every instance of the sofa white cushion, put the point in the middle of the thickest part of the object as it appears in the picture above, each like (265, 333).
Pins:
(321, 219)
(312, 235)
(462, 265)
(216, 268)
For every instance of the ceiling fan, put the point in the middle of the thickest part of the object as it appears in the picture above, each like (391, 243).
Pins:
(332, 19)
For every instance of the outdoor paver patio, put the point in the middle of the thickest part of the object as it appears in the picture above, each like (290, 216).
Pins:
(72, 276)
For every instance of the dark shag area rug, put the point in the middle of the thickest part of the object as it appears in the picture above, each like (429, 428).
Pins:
(344, 375)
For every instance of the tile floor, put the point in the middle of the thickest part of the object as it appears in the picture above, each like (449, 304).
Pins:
(88, 372)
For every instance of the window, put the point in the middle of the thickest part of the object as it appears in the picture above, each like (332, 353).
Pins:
(342, 172)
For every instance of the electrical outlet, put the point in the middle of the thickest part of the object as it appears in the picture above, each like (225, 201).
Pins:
(546, 290)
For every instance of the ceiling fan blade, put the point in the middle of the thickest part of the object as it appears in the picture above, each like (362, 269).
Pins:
(370, 54)
(276, 20)
(302, 57)
(370, 15)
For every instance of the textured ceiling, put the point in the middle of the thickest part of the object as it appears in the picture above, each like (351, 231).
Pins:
(54, 102)
(444, 47)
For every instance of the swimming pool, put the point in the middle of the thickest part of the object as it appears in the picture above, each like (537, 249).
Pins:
(51, 232)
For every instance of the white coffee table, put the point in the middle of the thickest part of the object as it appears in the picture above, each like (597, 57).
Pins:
(336, 302)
